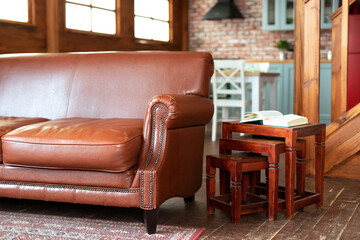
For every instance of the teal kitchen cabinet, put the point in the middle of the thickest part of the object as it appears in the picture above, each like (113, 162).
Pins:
(285, 94)
(279, 14)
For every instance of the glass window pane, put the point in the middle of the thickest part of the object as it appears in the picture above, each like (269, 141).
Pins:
(14, 10)
(103, 21)
(289, 11)
(107, 4)
(143, 8)
(271, 12)
(327, 11)
(85, 2)
(78, 17)
(160, 10)
(161, 30)
(143, 28)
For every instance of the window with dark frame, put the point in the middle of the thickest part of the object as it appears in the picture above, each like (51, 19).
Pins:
(97, 16)
(15, 10)
(152, 20)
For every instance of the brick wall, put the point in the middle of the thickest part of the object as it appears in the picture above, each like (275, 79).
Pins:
(239, 38)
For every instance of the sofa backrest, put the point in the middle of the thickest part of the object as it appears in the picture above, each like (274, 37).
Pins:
(97, 85)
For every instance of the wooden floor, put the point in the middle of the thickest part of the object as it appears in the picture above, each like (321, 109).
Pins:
(338, 219)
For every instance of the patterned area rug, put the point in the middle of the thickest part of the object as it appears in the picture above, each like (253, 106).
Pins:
(18, 225)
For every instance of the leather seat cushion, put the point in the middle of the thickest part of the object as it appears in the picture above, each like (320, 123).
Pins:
(7, 124)
(110, 145)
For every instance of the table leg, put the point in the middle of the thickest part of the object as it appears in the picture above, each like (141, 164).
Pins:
(224, 182)
(236, 194)
(273, 184)
(290, 161)
(210, 185)
(300, 170)
(319, 166)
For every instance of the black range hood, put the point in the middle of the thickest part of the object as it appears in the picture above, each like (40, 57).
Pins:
(223, 9)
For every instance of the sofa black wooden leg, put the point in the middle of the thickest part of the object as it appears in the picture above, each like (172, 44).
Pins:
(150, 219)
(189, 199)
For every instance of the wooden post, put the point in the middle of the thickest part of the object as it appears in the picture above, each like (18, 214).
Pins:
(307, 66)
(52, 25)
(344, 54)
(311, 66)
(299, 57)
(185, 26)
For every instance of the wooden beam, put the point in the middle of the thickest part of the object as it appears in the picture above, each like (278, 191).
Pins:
(299, 57)
(52, 25)
(344, 54)
(185, 25)
(337, 107)
(311, 66)
(342, 138)
(308, 62)
(342, 120)
(340, 39)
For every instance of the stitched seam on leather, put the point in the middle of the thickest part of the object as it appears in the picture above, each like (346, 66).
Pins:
(67, 187)
(151, 153)
(68, 168)
(73, 144)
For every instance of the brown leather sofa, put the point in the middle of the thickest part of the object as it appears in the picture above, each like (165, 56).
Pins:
(119, 129)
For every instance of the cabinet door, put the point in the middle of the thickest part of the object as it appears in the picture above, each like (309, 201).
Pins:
(279, 14)
(271, 15)
(288, 105)
(277, 68)
(327, 8)
(287, 14)
(325, 93)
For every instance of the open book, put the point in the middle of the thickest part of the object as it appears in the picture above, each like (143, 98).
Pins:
(275, 118)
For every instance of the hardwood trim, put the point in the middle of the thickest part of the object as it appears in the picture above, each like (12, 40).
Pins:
(342, 120)
(311, 66)
(336, 68)
(339, 10)
(52, 26)
(118, 17)
(171, 21)
(185, 24)
(299, 57)
(32, 15)
(343, 136)
(348, 169)
(311, 72)
(344, 56)
(343, 151)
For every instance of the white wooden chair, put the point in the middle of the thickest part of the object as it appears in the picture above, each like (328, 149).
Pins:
(228, 79)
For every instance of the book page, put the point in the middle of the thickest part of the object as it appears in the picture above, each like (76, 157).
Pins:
(256, 116)
(287, 117)
(285, 121)
(269, 113)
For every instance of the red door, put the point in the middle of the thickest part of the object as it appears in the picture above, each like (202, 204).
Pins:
(354, 62)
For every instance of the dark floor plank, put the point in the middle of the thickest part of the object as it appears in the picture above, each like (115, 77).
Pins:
(304, 221)
(352, 230)
(337, 217)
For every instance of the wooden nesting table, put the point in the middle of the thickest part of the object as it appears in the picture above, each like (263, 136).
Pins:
(292, 201)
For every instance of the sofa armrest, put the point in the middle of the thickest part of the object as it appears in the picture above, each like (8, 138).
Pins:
(171, 158)
(182, 110)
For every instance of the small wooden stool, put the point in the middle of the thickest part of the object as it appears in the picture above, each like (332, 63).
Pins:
(272, 147)
(237, 165)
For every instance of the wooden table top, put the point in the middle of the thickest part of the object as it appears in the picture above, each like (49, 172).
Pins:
(258, 129)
